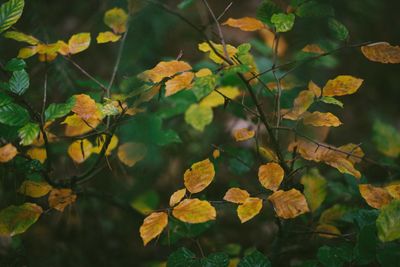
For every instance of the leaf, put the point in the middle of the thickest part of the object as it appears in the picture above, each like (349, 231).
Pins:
(76, 126)
(61, 198)
(270, 175)
(152, 226)
(245, 24)
(28, 133)
(255, 259)
(315, 89)
(146, 202)
(266, 10)
(289, 204)
(215, 259)
(15, 64)
(236, 195)
(106, 37)
(199, 176)
(164, 69)
(328, 231)
(21, 37)
(300, 105)
(315, 188)
(315, 49)
(204, 86)
(177, 196)
(319, 119)
(393, 190)
(100, 141)
(382, 52)
(85, 107)
(243, 134)
(80, 150)
(338, 30)
(183, 257)
(185, 4)
(19, 82)
(250, 208)
(16, 220)
(314, 9)
(4, 99)
(331, 100)
(333, 214)
(79, 42)
(206, 47)
(34, 189)
(194, 211)
(7, 153)
(131, 153)
(198, 116)
(116, 19)
(37, 154)
(388, 222)
(215, 99)
(268, 154)
(10, 12)
(386, 139)
(56, 111)
(342, 85)
(376, 197)
(27, 52)
(331, 257)
(178, 83)
(283, 22)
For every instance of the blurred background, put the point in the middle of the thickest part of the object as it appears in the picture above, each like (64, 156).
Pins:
(99, 231)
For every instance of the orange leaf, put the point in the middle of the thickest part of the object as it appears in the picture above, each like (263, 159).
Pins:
(236, 195)
(199, 176)
(131, 153)
(321, 119)
(80, 150)
(393, 190)
(85, 107)
(177, 196)
(289, 204)
(342, 85)
(7, 153)
(382, 52)
(78, 42)
(163, 70)
(250, 208)
(37, 153)
(152, 226)
(60, 198)
(194, 211)
(178, 83)
(314, 88)
(376, 197)
(245, 24)
(77, 126)
(271, 175)
(243, 134)
(302, 102)
(313, 48)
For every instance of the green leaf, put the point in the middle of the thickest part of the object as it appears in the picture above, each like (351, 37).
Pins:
(389, 255)
(362, 217)
(183, 257)
(4, 99)
(55, 111)
(215, 260)
(283, 22)
(19, 82)
(338, 30)
(388, 222)
(199, 116)
(185, 4)
(146, 202)
(266, 10)
(334, 256)
(386, 139)
(10, 12)
(28, 133)
(180, 230)
(313, 9)
(15, 220)
(365, 249)
(255, 259)
(13, 115)
(331, 100)
(15, 64)
(314, 188)
(203, 86)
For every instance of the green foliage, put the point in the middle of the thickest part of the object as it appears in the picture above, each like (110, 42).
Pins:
(388, 222)
(283, 22)
(265, 12)
(19, 82)
(314, 9)
(254, 259)
(10, 12)
(198, 116)
(13, 115)
(28, 133)
(56, 111)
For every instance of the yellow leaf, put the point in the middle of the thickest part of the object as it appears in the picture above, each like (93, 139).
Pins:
(302, 102)
(376, 197)
(314, 88)
(268, 154)
(21, 37)
(37, 153)
(177, 196)
(243, 134)
(354, 150)
(236, 195)
(60, 198)
(270, 175)
(313, 48)
(152, 226)
(79, 42)
(314, 188)
(245, 24)
(203, 73)
(289, 204)
(164, 69)
(77, 126)
(328, 231)
(47, 52)
(131, 153)
(85, 107)
(319, 119)
(382, 52)
(250, 208)
(116, 19)
(393, 190)
(199, 176)
(27, 52)
(63, 48)
(100, 142)
(34, 189)
(178, 83)
(7, 153)
(214, 99)
(342, 85)
(216, 153)
(194, 211)
(105, 37)
(205, 47)
(80, 150)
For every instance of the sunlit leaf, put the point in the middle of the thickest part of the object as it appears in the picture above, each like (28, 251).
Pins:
(100, 143)
(199, 116)
(178, 83)
(315, 188)
(331, 100)
(321, 119)
(85, 107)
(152, 226)
(177, 196)
(205, 47)
(7, 153)
(61, 198)
(106, 37)
(78, 42)
(283, 22)
(131, 153)
(302, 102)
(388, 222)
(21, 37)
(199, 176)
(80, 150)
(382, 52)
(289, 204)
(215, 99)
(164, 69)
(393, 190)
(342, 85)
(245, 24)
(270, 175)
(27, 52)
(236, 195)
(243, 134)
(15, 220)
(28, 133)
(37, 153)
(250, 208)
(116, 19)
(376, 197)
(194, 211)
(34, 189)
(77, 126)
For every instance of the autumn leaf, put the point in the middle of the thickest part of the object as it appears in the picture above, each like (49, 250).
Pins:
(7, 153)
(250, 208)
(177, 196)
(78, 42)
(315, 188)
(328, 231)
(243, 134)
(319, 119)
(21, 37)
(393, 190)
(302, 102)
(152, 226)
(205, 47)
(178, 83)
(271, 175)
(245, 24)
(34, 189)
(268, 154)
(194, 211)
(37, 153)
(199, 116)
(78, 126)
(382, 52)
(289, 204)
(375, 197)
(131, 153)
(106, 37)
(100, 143)
(80, 150)
(388, 222)
(236, 195)
(164, 69)
(199, 176)
(116, 19)
(314, 88)
(215, 99)
(15, 220)
(85, 107)
(342, 85)
(333, 214)
(61, 198)
(313, 48)
(216, 153)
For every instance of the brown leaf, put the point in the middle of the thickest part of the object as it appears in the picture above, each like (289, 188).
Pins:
(382, 52)
(270, 175)
(194, 211)
(177, 196)
(313, 48)
(376, 197)
(152, 226)
(342, 85)
(236, 195)
(245, 24)
(250, 208)
(319, 119)
(289, 204)
(60, 198)
(199, 176)
(7, 153)
(243, 134)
